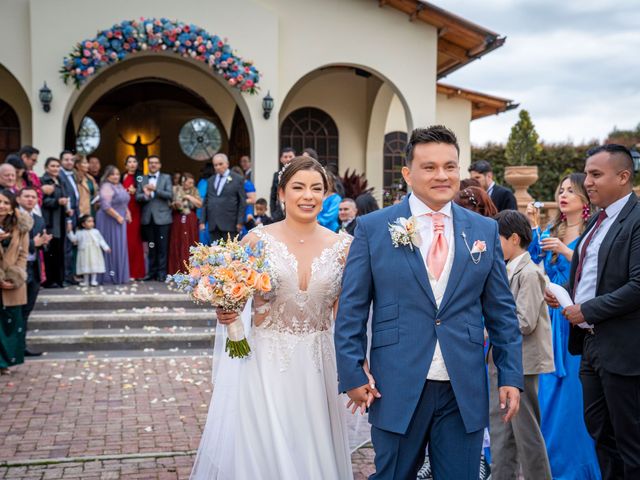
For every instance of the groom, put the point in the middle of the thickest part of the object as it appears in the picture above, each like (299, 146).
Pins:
(431, 303)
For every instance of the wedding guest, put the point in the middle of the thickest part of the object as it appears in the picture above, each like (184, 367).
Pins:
(14, 245)
(570, 449)
(249, 190)
(604, 282)
(277, 213)
(90, 242)
(224, 206)
(130, 181)
(8, 177)
(38, 239)
(310, 152)
(95, 167)
(476, 200)
(205, 173)
(469, 182)
(67, 178)
(260, 216)
(184, 229)
(366, 203)
(328, 216)
(29, 155)
(502, 197)
(154, 193)
(518, 448)
(54, 212)
(347, 213)
(87, 187)
(176, 179)
(245, 164)
(22, 178)
(111, 222)
(338, 186)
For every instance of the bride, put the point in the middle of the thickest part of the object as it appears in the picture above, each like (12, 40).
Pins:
(277, 413)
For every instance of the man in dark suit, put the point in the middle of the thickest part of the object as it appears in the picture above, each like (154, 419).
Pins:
(225, 202)
(67, 177)
(154, 193)
(286, 156)
(605, 321)
(502, 197)
(347, 212)
(38, 238)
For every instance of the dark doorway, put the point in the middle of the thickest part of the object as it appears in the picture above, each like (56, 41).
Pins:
(9, 130)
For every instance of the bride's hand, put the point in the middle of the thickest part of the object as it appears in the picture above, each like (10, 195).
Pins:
(363, 397)
(226, 318)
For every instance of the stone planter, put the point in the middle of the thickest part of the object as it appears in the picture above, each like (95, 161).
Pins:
(521, 178)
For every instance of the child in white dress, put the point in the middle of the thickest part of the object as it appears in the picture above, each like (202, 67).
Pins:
(90, 243)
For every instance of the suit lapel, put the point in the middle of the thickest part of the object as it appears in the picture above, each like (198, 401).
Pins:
(461, 228)
(605, 247)
(414, 257)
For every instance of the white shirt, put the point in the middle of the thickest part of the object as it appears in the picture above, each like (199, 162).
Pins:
(490, 189)
(154, 181)
(438, 369)
(589, 277)
(72, 180)
(512, 265)
(220, 181)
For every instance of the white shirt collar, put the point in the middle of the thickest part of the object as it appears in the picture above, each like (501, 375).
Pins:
(512, 265)
(616, 207)
(491, 185)
(419, 208)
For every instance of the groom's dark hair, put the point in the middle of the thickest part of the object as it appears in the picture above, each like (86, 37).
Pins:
(433, 134)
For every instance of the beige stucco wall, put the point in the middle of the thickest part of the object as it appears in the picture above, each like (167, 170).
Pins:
(287, 39)
(455, 113)
(396, 118)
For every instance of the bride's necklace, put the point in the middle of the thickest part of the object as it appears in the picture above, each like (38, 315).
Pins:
(299, 240)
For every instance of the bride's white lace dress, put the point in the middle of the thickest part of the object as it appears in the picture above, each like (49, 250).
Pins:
(277, 414)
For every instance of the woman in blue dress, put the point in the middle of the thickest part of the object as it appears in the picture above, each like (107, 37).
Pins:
(205, 174)
(570, 448)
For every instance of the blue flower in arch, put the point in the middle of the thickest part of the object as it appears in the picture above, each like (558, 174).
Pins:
(132, 36)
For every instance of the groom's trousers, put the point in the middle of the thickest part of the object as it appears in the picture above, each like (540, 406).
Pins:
(453, 453)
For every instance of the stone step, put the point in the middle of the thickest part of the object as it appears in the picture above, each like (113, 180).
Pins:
(111, 301)
(132, 318)
(121, 339)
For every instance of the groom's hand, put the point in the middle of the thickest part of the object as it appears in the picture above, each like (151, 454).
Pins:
(362, 397)
(509, 402)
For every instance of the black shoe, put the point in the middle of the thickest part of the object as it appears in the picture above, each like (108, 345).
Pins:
(149, 278)
(162, 278)
(29, 353)
(70, 282)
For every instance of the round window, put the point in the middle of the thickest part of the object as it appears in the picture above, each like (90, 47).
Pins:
(200, 139)
(88, 138)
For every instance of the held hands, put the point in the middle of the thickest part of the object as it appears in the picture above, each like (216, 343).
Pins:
(5, 285)
(509, 402)
(363, 397)
(226, 318)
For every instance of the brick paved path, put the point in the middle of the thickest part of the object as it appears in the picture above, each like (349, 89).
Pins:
(135, 419)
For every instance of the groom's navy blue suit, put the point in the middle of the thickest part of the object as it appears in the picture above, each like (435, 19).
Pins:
(406, 324)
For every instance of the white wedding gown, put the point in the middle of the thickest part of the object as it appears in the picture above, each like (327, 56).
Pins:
(277, 414)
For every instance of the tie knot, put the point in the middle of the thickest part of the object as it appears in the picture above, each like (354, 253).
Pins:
(602, 215)
(438, 221)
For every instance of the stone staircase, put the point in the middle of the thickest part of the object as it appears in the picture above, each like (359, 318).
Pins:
(134, 320)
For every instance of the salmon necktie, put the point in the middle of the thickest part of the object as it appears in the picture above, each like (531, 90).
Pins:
(439, 250)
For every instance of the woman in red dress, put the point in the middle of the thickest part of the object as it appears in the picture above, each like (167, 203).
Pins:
(184, 229)
(130, 182)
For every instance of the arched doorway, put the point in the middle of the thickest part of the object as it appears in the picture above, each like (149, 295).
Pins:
(150, 116)
(393, 161)
(311, 128)
(9, 130)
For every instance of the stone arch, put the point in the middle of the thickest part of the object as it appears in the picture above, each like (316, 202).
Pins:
(13, 94)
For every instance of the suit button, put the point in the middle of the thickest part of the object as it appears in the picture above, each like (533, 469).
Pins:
(438, 322)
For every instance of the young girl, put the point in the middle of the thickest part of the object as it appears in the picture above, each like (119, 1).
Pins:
(90, 261)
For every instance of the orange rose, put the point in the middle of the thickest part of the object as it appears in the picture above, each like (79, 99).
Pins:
(239, 291)
(251, 279)
(264, 283)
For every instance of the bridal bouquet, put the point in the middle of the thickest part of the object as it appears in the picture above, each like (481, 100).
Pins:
(225, 275)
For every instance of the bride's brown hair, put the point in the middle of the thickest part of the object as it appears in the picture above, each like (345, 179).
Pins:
(298, 164)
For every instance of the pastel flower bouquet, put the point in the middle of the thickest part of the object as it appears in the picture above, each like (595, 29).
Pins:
(226, 275)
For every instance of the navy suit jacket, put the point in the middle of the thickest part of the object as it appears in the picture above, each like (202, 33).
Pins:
(407, 322)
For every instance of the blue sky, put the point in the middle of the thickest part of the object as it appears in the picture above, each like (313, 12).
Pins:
(575, 65)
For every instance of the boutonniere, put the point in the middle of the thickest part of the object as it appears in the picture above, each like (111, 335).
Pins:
(479, 247)
(229, 179)
(404, 231)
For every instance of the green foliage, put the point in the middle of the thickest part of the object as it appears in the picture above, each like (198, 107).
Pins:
(553, 160)
(522, 147)
(628, 138)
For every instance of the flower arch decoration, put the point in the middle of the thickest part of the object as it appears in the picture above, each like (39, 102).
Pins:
(157, 35)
